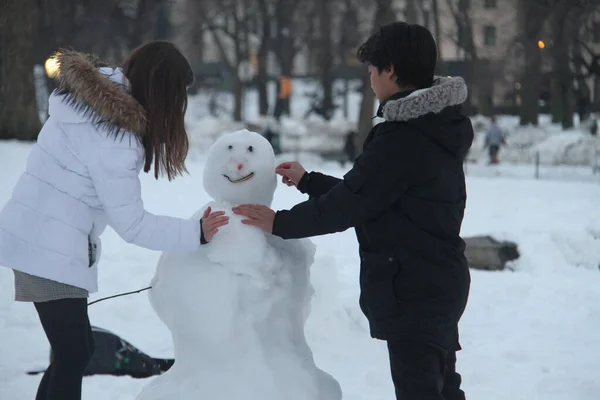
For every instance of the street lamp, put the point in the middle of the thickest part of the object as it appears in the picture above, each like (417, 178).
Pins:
(541, 44)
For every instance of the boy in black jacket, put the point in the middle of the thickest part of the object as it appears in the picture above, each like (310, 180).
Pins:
(405, 196)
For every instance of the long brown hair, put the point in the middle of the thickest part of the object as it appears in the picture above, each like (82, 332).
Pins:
(159, 75)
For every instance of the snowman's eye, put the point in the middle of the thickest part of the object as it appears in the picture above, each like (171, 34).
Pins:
(230, 147)
(250, 149)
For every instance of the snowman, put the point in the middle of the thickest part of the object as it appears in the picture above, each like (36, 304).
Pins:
(236, 309)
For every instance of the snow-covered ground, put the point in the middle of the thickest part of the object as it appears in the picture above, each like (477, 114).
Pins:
(530, 333)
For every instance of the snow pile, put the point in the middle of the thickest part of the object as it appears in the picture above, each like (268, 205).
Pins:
(575, 147)
(237, 308)
(567, 148)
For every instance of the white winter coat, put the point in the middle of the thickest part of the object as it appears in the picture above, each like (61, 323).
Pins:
(79, 178)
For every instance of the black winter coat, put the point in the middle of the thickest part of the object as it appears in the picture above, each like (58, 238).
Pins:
(405, 196)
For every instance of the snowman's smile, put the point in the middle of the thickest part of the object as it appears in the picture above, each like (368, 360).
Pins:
(242, 179)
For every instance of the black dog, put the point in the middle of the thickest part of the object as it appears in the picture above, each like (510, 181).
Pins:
(115, 356)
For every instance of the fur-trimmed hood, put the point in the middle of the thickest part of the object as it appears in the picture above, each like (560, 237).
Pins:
(90, 89)
(433, 114)
(445, 92)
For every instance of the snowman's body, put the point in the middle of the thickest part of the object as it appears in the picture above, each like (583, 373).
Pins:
(237, 308)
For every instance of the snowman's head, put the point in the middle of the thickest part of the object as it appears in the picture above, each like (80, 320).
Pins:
(240, 168)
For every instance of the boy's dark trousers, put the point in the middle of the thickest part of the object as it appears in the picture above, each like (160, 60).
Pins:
(68, 330)
(423, 371)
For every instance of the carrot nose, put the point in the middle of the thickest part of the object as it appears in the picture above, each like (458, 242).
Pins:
(240, 166)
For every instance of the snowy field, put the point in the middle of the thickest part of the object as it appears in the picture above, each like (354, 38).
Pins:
(531, 332)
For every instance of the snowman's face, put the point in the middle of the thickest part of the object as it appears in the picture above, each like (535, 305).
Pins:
(240, 168)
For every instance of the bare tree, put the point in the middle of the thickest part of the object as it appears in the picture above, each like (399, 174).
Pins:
(567, 20)
(265, 9)
(227, 21)
(463, 35)
(586, 64)
(564, 50)
(18, 111)
(478, 72)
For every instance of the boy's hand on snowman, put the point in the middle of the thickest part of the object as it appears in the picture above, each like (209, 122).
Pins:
(211, 222)
(257, 215)
(291, 172)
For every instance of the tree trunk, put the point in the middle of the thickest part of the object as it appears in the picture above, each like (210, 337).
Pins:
(163, 29)
(238, 93)
(531, 22)
(584, 94)
(240, 54)
(284, 50)
(262, 80)
(437, 30)
(556, 99)
(262, 77)
(18, 110)
(410, 12)
(143, 26)
(326, 58)
(596, 93)
(383, 14)
(530, 81)
(562, 96)
(559, 51)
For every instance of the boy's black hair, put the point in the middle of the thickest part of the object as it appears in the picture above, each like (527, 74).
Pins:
(409, 48)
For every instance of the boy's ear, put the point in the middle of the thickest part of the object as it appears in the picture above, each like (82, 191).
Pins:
(389, 71)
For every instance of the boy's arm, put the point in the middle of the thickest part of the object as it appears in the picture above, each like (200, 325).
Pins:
(316, 184)
(377, 180)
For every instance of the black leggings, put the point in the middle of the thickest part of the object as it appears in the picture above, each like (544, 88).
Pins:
(68, 330)
(424, 371)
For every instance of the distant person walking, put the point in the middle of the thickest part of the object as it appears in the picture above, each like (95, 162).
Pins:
(494, 138)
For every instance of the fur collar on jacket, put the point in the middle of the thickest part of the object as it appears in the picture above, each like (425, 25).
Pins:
(445, 92)
(95, 95)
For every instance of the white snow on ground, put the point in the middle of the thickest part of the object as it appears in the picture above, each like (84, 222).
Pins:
(528, 334)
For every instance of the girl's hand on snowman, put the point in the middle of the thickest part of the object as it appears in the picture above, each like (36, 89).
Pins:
(257, 215)
(211, 222)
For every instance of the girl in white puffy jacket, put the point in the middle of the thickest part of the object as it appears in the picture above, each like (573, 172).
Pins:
(105, 126)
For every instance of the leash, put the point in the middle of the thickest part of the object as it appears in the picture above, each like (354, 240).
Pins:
(119, 295)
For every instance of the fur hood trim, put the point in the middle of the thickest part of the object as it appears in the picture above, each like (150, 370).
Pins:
(87, 85)
(445, 92)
